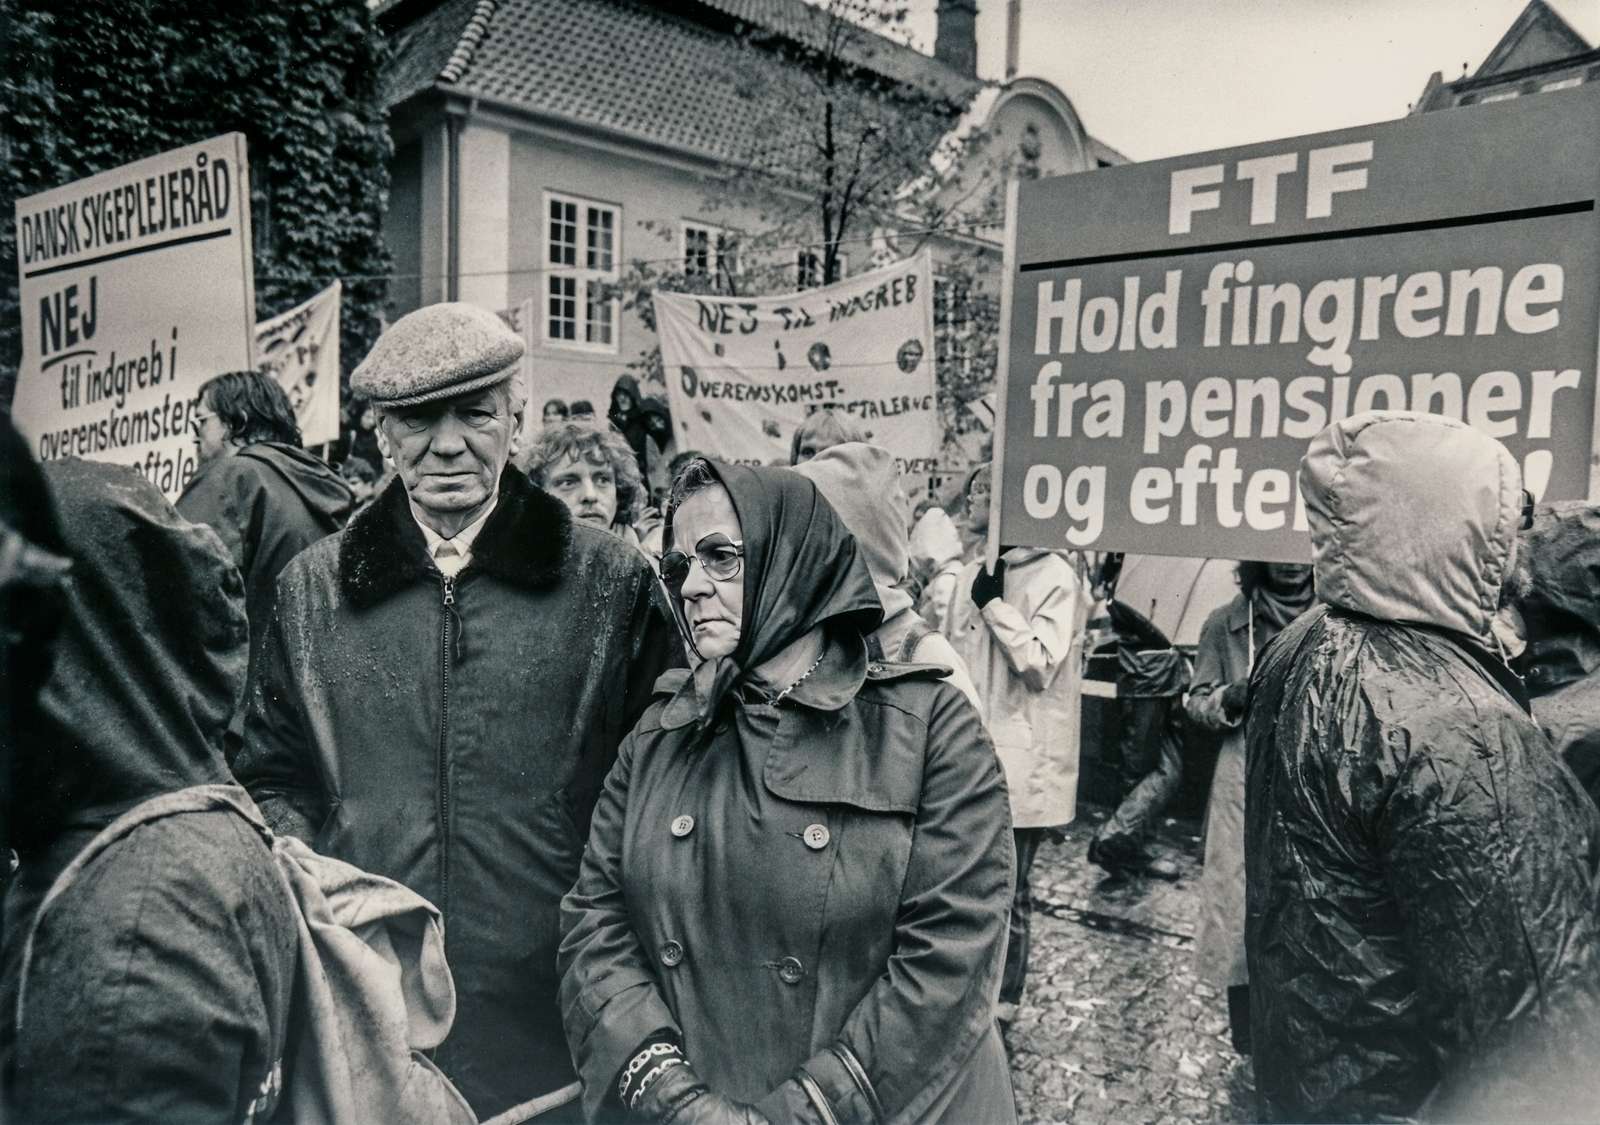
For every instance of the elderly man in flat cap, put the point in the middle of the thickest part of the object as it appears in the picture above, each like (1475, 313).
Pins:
(445, 684)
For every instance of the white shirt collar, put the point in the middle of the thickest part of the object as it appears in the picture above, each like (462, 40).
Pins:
(461, 542)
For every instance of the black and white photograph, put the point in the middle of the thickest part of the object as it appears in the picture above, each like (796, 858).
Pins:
(799, 562)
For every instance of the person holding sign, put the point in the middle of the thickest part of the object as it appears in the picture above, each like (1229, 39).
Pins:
(792, 906)
(1423, 871)
(1020, 631)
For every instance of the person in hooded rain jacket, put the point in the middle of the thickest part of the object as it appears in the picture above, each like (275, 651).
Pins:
(160, 979)
(268, 498)
(33, 578)
(445, 686)
(1020, 631)
(792, 907)
(627, 416)
(862, 484)
(1270, 596)
(1558, 609)
(1423, 904)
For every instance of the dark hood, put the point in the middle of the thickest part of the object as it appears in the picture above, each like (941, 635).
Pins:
(151, 658)
(629, 386)
(801, 569)
(1561, 610)
(33, 581)
(322, 489)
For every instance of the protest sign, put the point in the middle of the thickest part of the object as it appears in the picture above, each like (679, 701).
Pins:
(1178, 331)
(135, 288)
(744, 372)
(300, 349)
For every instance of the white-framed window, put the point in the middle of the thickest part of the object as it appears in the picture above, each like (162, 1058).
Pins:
(582, 248)
(1502, 96)
(710, 252)
(808, 268)
(1562, 84)
(952, 324)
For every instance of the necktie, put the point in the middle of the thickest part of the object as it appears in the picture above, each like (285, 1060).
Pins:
(448, 558)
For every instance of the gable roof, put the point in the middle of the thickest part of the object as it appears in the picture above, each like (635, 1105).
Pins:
(1538, 35)
(653, 71)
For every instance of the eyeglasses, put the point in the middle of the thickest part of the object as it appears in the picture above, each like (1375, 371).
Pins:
(199, 418)
(720, 556)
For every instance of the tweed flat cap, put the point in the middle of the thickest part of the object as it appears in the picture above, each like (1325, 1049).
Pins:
(437, 352)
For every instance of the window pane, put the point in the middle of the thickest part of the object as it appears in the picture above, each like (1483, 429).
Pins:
(563, 321)
(696, 251)
(601, 233)
(563, 241)
(597, 312)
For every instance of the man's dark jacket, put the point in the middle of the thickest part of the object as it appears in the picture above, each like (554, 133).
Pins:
(454, 735)
(269, 502)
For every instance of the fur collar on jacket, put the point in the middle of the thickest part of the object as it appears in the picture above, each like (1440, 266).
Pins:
(523, 542)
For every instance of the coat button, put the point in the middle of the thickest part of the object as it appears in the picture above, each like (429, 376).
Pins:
(672, 954)
(875, 668)
(816, 836)
(683, 825)
(791, 971)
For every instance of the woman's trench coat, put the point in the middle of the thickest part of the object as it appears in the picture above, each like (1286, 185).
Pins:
(1223, 657)
(834, 871)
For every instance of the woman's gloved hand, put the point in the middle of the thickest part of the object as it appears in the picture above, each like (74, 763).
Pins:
(679, 1097)
(987, 587)
(1235, 698)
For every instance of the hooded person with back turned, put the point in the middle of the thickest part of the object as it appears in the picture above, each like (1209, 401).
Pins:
(1423, 873)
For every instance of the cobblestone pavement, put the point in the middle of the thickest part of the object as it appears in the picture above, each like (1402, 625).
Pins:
(1114, 1026)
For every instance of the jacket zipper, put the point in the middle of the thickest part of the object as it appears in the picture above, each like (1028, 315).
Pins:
(447, 641)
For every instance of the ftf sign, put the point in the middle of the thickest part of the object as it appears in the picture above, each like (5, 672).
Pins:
(1178, 331)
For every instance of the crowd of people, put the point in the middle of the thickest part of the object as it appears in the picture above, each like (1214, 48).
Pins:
(545, 771)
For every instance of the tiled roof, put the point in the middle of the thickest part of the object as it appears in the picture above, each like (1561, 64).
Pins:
(644, 70)
(423, 47)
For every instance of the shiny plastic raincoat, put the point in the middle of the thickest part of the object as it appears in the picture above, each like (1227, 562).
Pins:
(1422, 919)
(1561, 619)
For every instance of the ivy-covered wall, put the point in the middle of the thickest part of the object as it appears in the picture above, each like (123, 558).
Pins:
(91, 84)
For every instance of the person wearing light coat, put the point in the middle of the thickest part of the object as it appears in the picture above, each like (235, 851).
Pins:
(1020, 632)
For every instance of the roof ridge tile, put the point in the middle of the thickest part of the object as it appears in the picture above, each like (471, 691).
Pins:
(471, 35)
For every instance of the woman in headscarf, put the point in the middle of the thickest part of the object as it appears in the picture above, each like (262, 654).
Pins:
(1271, 595)
(793, 903)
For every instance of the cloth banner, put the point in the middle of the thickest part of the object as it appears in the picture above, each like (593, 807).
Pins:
(300, 349)
(135, 287)
(744, 372)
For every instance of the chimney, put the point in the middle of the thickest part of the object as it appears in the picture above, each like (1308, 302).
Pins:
(956, 41)
(1013, 37)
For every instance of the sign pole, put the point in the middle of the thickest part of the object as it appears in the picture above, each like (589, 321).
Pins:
(1002, 366)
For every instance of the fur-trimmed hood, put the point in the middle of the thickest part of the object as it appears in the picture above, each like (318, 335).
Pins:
(524, 542)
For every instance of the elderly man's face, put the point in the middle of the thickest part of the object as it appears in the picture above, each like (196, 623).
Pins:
(586, 485)
(450, 453)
